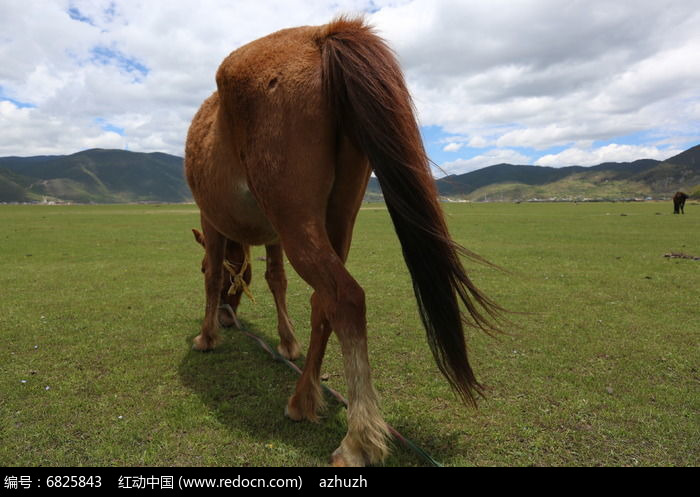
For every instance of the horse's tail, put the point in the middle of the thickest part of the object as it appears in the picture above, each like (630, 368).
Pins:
(366, 91)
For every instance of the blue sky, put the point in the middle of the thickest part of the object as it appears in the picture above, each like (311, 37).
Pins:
(107, 56)
(16, 103)
(545, 82)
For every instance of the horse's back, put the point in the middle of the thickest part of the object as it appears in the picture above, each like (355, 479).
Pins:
(288, 59)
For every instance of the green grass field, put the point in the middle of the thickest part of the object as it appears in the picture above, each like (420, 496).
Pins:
(99, 305)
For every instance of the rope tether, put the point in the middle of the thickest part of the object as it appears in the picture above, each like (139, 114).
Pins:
(236, 277)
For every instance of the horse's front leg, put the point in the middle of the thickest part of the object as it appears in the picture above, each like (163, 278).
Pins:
(277, 281)
(213, 279)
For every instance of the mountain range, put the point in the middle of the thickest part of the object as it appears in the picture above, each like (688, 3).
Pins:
(607, 181)
(119, 176)
(94, 176)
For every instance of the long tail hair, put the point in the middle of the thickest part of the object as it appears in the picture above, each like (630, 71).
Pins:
(366, 91)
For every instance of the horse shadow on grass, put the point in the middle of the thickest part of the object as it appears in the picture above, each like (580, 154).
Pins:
(246, 390)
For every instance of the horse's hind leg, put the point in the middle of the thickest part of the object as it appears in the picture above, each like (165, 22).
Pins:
(213, 278)
(340, 299)
(351, 175)
(338, 304)
(315, 239)
(277, 281)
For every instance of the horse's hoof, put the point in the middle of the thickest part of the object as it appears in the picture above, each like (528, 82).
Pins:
(342, 458)
(289, 352)
(292, 413)
(204, 344)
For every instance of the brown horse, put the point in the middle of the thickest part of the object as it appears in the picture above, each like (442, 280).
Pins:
(282, 153)
(679, 202)
(237, 264)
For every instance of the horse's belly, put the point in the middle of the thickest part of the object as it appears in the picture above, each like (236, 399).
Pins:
(236, 214)
(217, 179)
(242, 219)
(251, 225)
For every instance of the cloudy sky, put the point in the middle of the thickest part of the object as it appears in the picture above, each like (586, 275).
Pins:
(547, 82)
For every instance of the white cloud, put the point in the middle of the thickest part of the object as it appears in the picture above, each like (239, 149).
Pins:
(556, 72)
(19, 125)
(453, 147)
(478, 142)
(456, 143)
(140, 65)
(609, 153)
(531, 74)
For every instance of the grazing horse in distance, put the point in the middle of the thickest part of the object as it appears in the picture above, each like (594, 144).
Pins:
(679, 202)
(281, 153)
(237, 266)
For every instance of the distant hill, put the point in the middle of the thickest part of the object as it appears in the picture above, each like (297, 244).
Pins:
(116, 176)
(99, 176)
(610, 180)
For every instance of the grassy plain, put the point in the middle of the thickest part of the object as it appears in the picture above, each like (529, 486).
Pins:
(99, 305)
